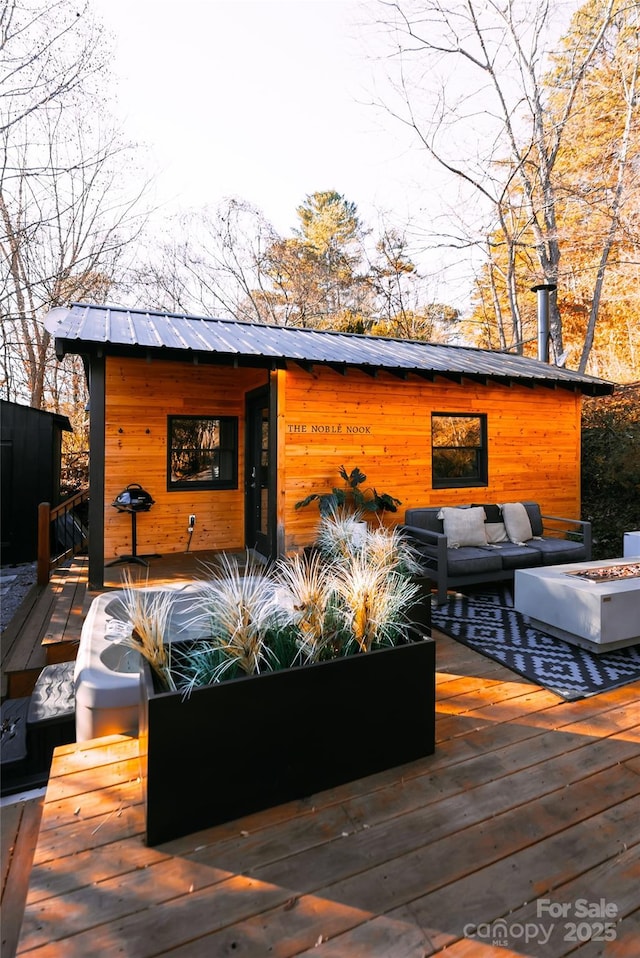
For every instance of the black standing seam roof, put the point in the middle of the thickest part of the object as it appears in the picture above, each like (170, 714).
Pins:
(85, 328)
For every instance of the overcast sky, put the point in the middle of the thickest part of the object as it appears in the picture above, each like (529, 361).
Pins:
(271, 100)
(268, 100)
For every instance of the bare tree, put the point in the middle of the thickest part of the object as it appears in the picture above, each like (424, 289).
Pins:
(470, 83)
(214, 262)
(65, 214)
(49, 52)
(401, 304)
(231, 262)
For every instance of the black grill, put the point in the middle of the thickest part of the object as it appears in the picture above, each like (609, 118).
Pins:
(133, 499)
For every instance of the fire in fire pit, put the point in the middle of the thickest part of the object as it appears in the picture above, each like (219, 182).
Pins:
(610, 573)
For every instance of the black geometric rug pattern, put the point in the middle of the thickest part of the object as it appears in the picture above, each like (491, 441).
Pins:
(487, 622)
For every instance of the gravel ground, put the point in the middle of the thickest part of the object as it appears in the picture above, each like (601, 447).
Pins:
(15, 582)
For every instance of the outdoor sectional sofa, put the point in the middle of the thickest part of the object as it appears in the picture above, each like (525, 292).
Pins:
(477, 543)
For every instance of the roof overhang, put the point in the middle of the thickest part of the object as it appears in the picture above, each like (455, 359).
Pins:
(98, 331)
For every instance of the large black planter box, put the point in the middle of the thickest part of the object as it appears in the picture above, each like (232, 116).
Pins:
(240, 746)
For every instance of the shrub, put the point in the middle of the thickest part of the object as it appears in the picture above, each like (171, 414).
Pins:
(611, 468)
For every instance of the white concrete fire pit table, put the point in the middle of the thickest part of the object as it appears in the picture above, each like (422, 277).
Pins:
(598, 613)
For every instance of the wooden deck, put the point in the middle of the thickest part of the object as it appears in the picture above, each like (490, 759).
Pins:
(527, 798)
(46, 629)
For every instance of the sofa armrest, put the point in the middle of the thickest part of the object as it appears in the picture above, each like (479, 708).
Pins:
(436, 541)
(576, 527)
(424, 535)
(435, 560)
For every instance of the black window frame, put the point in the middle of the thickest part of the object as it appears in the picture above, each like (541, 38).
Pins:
(481, 476)
(230, 446)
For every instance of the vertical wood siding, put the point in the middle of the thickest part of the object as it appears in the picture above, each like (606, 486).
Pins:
(325, 420)
(140, 396)
(383, 426)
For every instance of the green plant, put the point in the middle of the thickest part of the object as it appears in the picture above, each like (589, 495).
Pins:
(352, 496)
(611, 468)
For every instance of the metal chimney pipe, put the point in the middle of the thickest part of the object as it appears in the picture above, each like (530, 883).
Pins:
(543, 291)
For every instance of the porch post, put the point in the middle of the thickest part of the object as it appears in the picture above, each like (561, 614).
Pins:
(96, 471)
(277, 460)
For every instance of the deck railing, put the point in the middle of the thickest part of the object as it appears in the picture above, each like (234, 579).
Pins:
(62, 533)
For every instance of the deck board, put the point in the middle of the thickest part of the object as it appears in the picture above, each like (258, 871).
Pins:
(526, 797)
(22, 654)
(62, 634)
(45, 630)
(20, 824)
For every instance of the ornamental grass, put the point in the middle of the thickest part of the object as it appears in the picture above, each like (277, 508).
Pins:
(307, 584)
(239, 608)
(374, 601)
(149, 612)
(348, 596)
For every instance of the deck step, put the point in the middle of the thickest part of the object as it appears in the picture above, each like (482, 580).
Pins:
(45, 630)
(51, 715)
(33, 727)
(14, 733)
(53, 698)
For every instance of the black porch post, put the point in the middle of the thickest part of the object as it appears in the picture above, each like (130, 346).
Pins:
(96, 471)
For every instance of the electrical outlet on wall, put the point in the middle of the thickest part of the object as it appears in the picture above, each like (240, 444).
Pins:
(192, 520)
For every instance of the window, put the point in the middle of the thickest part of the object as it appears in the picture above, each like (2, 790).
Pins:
(458, 450)
(202, 452)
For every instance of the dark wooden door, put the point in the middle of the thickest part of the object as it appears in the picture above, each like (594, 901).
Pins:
(259, 515)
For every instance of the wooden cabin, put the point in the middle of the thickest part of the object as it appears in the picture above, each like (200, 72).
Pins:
(234, 423)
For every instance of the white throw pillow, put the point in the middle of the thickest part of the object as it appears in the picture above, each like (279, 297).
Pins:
(493, 524)
(496, 532)
(463, 527)
(517, 523)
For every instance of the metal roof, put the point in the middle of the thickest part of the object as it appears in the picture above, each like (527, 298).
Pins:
(88, 329)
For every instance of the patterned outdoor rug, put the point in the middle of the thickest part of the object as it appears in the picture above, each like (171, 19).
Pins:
(487, 622)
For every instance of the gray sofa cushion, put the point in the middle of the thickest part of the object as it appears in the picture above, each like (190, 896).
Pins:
(517, 522)
(464, 527)
(518, 557)
(467, 560)
(554, 551)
